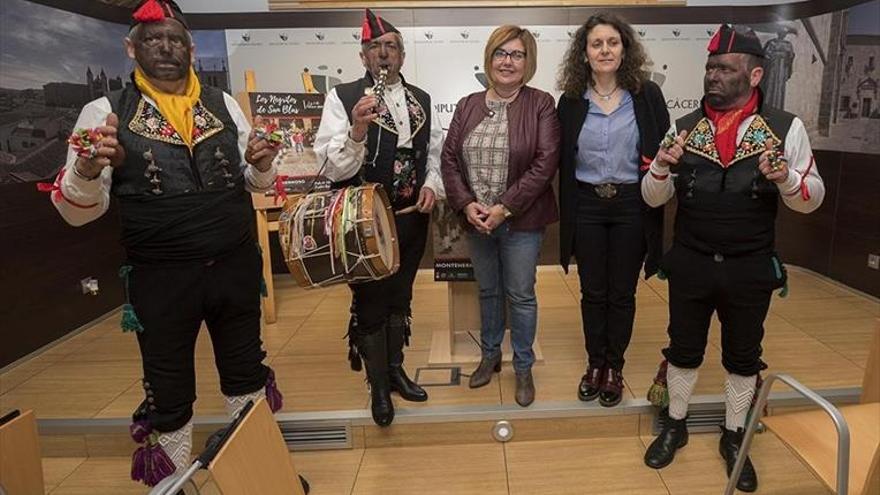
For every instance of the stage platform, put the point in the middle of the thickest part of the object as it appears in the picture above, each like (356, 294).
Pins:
(84, 388)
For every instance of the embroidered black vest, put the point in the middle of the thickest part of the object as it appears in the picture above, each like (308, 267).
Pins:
(382, 139)
(729, 211)
(178, 205)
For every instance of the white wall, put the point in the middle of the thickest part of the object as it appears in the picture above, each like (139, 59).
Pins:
(205, 6)
(217, 6)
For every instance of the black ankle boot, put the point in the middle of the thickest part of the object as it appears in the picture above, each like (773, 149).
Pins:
(398, 336)
(674, 436)
(374, 352)
(729, 447)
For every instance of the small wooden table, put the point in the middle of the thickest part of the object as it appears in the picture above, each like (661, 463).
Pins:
(455, 345)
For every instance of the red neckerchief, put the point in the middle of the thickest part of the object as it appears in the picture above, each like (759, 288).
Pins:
(726, 125)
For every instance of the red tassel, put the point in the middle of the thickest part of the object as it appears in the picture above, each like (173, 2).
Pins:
(805, 191)
(149, 12)
(715, 42)
(366, 32)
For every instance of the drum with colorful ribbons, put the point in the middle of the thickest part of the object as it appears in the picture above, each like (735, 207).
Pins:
(346, 235)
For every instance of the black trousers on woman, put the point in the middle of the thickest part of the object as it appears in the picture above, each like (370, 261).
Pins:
(609, 249)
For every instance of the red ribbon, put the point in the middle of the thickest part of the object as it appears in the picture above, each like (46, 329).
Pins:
(805, 191)
(54, 189)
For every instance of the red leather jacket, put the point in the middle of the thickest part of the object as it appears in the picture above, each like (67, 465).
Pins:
(532, 164)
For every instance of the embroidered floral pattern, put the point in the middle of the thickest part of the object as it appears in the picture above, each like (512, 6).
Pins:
(754, 141)
(149, 123)
(701, 141)
(417, 117)
(404, 180)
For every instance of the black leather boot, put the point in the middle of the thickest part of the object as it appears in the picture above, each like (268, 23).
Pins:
(729, 447)
(674, 436)
(398, 336)
(374, 352)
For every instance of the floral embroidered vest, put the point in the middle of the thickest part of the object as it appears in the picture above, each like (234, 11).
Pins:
(401, 177)
(727, 210)
(176, 205)
(149, 139)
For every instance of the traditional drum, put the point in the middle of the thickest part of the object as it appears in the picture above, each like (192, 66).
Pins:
(346, 235)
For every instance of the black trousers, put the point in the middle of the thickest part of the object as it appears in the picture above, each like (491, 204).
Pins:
(374, 301)
(738, 289)
(171, 302)
(609, 249)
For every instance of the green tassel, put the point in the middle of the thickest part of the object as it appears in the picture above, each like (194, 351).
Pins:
(264, 290)
(658, 395)
(130, 322)
(777, 267)
(661, 275)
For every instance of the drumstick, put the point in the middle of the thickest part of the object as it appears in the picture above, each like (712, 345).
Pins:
(408, 209)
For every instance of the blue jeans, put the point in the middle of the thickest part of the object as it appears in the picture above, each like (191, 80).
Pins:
(505, 263)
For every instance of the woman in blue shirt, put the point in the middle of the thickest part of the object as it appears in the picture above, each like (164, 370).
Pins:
(613, 119)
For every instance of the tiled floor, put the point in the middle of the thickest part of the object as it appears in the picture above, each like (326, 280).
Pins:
(601, 466)
(820, 333)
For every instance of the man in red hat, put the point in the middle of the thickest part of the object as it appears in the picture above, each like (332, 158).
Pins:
(727, 163)
(394, 139)
(179, 158)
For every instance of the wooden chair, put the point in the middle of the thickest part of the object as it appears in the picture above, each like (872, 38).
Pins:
(844, 452)
(251, 457)
(21, 467)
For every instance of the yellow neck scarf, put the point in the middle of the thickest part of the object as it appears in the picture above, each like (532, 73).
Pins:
(178, 109)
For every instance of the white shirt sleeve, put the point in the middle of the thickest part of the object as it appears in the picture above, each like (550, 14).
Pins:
(255, 181)
(657, 192)
(333, 146)
(803, 190)
(80, 201)
(433, 179)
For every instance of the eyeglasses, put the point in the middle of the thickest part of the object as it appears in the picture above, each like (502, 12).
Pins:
(516, 55)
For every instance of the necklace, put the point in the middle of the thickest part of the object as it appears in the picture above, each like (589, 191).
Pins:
(509, 97)
(605, 97)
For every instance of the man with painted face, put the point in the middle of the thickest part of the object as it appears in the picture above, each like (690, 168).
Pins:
(179, 158)
(395, 141)
(728, 164)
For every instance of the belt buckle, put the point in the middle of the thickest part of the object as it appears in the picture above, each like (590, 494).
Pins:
(606, 191)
